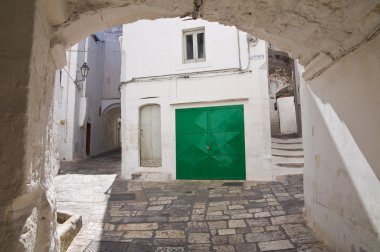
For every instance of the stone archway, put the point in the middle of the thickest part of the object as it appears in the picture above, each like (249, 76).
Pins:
(328, 37)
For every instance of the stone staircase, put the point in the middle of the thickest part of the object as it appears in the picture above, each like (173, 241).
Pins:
(287, 156)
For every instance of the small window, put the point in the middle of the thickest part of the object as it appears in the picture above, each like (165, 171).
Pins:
(194, 45)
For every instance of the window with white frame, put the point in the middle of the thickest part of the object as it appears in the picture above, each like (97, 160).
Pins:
(194, 45)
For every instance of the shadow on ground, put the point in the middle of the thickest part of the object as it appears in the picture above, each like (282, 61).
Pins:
(141, 216)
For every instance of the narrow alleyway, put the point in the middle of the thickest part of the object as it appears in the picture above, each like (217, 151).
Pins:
(181, 215)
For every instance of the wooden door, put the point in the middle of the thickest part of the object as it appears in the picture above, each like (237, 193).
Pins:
(88, 139)
(150, 136)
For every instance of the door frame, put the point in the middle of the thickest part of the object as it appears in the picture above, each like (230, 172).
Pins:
(88, 139)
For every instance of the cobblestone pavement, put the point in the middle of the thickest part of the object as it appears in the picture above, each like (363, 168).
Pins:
(182, 215)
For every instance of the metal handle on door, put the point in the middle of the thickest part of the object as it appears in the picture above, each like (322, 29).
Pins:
(208, 147)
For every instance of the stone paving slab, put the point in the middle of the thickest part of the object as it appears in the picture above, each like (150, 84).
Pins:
(187, 215)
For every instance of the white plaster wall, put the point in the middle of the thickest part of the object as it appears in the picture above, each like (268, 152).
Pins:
(69, 100)
(341, 131)
(94, 93)
(287, 113)
(154, 48)
(249, 89)
(184, 94)
(112, 62)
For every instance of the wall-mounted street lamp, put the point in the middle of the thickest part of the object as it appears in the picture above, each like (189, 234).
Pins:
(84, 72)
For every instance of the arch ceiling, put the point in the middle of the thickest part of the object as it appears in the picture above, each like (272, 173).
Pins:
(316, 32)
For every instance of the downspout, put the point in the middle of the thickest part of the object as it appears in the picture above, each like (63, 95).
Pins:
(249, 56)
(238, 42)
(239, 52)
(67, 96)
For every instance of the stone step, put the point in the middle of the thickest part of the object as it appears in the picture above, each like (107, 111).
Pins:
(288, 153)
(290, 165)
(289, 140)
(295, 146)
(151, 176)
(287, 160)
(281, 171)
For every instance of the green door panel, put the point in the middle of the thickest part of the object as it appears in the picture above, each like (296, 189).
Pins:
(193, 167)
(227, 167)
(210, 143)
(228, 119)
(227, 143)
(193, 144)
(192, 121)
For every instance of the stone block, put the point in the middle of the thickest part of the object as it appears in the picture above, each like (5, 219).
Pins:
(298, 233)
(226, 231)
(138, 226)
(235, 239)
(224, 248)
(220, 240)
(246, 247)
(262, 222)
(170, 249)
(236, 224)
(275, 245)
(155, 208)
(199, 238)
(172, 234)
(138, 234)
(265, 236)
(286, 219)
(262, 215)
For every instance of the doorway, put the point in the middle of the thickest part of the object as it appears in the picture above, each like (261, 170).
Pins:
(210, 143)
(88, 139)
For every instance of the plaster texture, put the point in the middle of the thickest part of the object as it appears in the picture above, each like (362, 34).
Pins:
(287, 114)
(241, 80)
(341, 144)
(324, 35)
(303, 28)
(27, 158)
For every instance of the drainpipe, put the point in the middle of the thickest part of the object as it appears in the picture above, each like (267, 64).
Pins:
(238, 43)
(239, 52)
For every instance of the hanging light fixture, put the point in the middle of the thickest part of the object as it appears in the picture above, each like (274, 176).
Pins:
(84, 72)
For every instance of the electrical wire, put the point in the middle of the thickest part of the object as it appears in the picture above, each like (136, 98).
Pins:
(192, 75)
(69, 74)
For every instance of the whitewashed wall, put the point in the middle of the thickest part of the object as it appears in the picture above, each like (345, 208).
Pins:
(287, 114)
(341, 131)
(112, 62)
(69, 96)
(154, 48)
(142, 44)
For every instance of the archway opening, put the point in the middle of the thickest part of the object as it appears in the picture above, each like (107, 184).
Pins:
(324, 49)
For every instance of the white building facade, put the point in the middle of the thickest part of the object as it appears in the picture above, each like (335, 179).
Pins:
(194, 102)
(88, 111)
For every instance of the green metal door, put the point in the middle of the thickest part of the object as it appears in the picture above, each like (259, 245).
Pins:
(210, 143)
